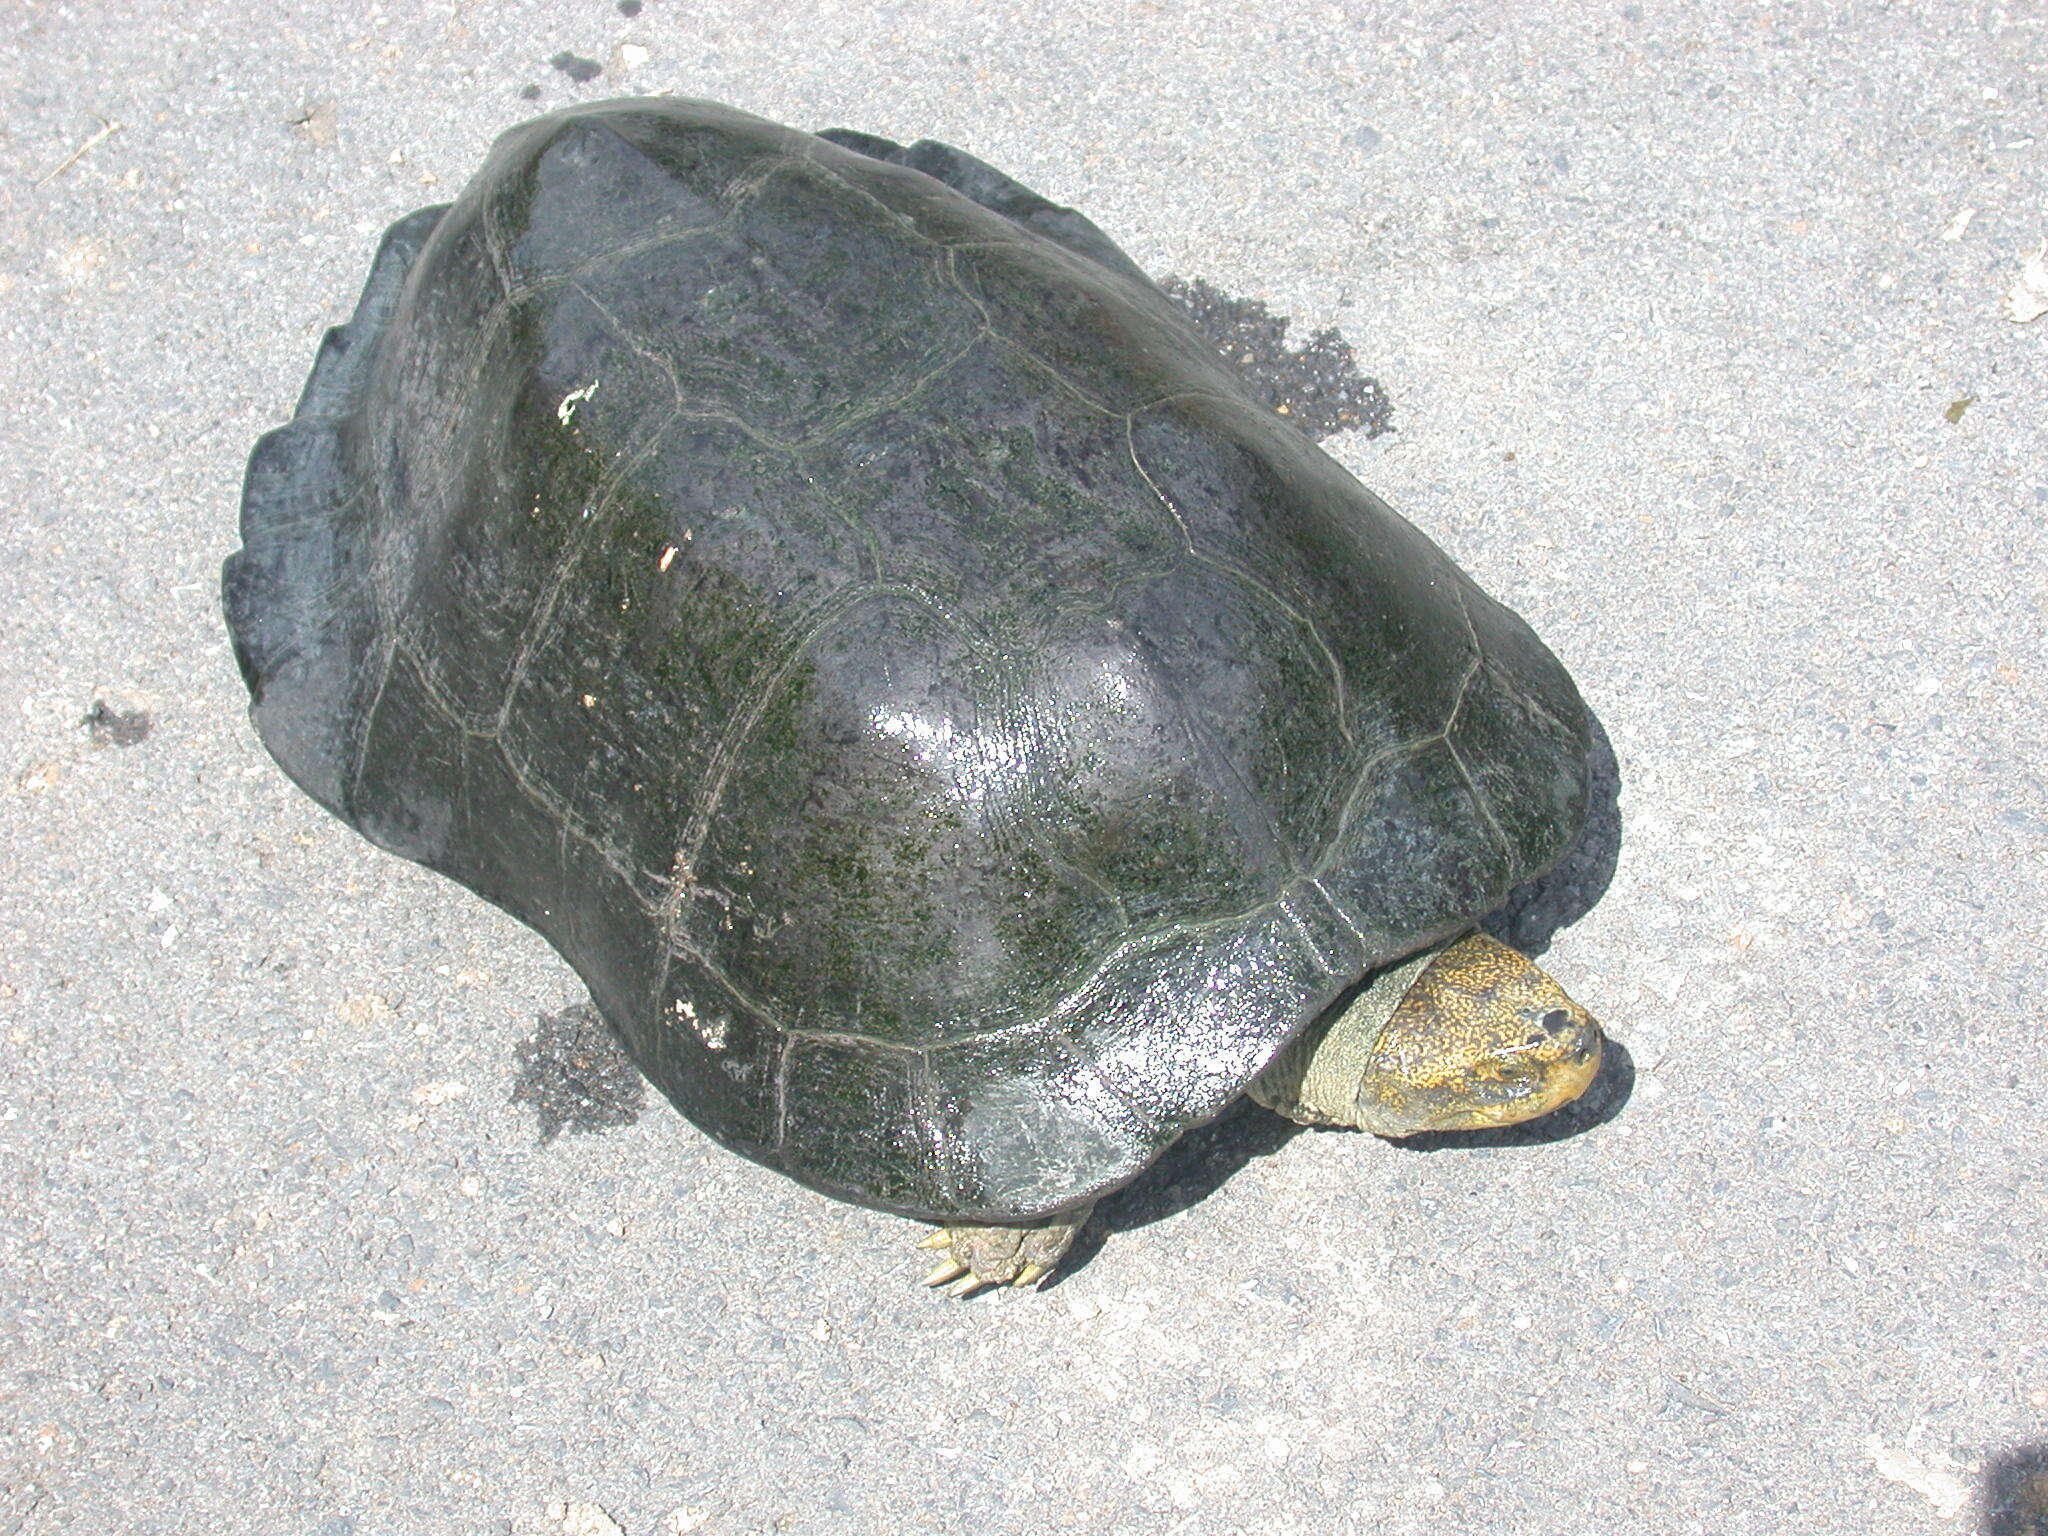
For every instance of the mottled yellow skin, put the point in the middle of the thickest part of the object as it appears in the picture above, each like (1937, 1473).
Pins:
(1467, 1037)
(1477, 1036)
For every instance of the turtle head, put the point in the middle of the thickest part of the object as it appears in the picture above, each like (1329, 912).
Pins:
(1481, 1038)
(1468, 1037)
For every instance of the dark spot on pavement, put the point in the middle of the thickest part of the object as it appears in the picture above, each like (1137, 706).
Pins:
(1316, 386)
(576, 1075)
(576, 67)
(318, 122)
(529, 93)
(629, 7)
(109, 726)
(2014, 1501)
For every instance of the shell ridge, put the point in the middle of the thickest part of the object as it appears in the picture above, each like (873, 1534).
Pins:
(719, 767)
(785, 1051)
(854, 1039)
(591, 266)
(494, 247)
(540, 624)
(679, 946)
(1076, 1052)
(1343, 914)
(1361, 780)
(924, 1114)
(436, 697)
(949, 269)
(633, 344)
(1479, 800)
(875, 407)
(366, 725)
(1245, 577)
(1051, 373)
(870, 545)
(631, 875)
(1528, 701)
(1077, 870)
(1308, 940)
(1076, 997)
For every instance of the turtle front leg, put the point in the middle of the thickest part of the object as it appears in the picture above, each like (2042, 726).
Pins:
(1019, 1254)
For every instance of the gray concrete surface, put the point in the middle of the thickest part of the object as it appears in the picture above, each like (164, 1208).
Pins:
(1674, 339)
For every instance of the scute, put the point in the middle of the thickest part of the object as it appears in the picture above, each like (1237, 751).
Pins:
(824, 588)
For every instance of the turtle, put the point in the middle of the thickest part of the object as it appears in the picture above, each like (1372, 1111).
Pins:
(961, 737)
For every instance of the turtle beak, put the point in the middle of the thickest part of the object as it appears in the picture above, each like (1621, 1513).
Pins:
(1564, 1053)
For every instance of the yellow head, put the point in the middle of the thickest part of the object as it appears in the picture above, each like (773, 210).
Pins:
(1481, 1038)
(1469, 1037)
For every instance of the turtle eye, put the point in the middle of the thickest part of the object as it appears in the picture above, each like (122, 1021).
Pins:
(1557, 1021)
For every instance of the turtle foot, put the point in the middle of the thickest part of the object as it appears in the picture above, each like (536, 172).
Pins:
(1019, 1254)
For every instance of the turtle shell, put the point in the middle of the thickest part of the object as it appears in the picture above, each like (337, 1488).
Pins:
(956, 732)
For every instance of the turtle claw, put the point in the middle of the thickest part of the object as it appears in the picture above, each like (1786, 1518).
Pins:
(1018, 1255)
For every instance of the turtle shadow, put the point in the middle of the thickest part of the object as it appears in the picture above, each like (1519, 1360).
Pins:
(2013, 1497)
(1537, 909)
(1197, 1165)
(1185, 1174)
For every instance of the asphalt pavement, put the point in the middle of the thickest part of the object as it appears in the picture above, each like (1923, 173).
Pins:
(1697, 332)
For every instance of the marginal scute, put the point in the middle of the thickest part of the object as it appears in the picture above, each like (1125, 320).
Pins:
(1179, 1025)
(1092, 332)
(853, 1117)
(1416, 852)
(715, 1054)
(1496, 728)
(298, 596)
(1027, 1119)
(955, 732)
